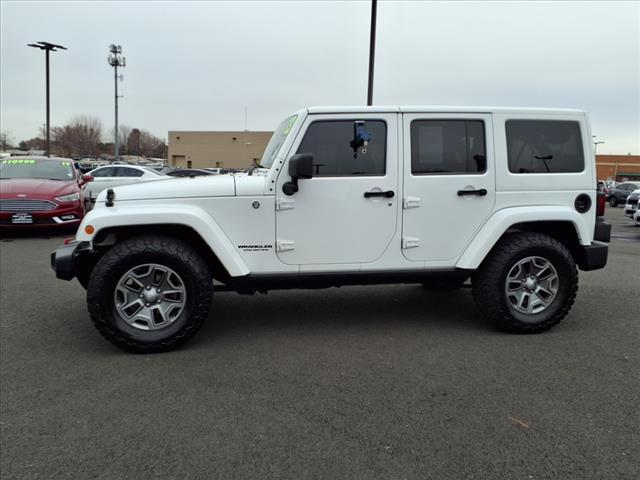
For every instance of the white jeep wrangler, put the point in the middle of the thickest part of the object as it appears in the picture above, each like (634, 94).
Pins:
(354, 196)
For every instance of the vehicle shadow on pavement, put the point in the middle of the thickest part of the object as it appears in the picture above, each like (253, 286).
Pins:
(9, 235)
(375, 307)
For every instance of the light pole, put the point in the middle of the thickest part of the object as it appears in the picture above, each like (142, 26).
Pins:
(47, 47)
(372, 50)
(116, 60)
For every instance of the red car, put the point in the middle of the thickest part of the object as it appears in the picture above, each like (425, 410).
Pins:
(41, 191)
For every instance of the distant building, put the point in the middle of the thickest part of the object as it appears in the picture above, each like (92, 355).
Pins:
(620, 168)
(216, 149)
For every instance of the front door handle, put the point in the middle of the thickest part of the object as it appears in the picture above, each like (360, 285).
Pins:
(387, 194)
(481, 193)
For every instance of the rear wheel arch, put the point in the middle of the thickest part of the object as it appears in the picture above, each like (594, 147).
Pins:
(562, 230)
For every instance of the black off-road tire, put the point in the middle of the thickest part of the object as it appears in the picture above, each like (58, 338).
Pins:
(488, 282)
(162, 250)
(613, 202)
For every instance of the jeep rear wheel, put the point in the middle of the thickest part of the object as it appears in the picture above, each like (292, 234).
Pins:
(527, 284)
(149, 293)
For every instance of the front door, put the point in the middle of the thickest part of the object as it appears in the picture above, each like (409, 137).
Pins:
(449, 184)
(346, 213)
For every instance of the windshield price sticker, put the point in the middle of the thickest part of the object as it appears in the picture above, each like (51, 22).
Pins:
(19, 161)
(287, 129)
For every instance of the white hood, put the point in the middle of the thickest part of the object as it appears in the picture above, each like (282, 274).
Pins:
(200, 186)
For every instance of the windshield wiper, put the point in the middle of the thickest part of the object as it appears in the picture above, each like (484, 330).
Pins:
(254, 167)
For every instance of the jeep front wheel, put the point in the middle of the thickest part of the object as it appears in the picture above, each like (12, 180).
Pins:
(527, 284)
(613, 202)
(149, 293)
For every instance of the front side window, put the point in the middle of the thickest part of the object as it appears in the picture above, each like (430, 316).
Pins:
(331, 143)
(448, 147)
(544, 146)
(103, 172)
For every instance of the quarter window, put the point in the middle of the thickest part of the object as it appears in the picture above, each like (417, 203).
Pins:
(544, 146)
(448, 147)
(333, 155)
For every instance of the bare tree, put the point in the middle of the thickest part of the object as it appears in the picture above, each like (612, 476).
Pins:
(80, 137)
(144, 144)
(5, 140)
(123, 134)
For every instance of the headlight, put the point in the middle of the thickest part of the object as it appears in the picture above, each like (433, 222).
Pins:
(72, 197)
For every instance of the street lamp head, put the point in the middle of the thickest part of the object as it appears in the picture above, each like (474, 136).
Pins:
(46, 46)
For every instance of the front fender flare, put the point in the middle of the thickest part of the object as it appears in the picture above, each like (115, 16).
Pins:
(189, 216)
(502, 220)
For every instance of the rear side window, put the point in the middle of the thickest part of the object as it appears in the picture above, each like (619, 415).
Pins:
(544, 146)
(128, 172)
(447, 147)
(333, 155)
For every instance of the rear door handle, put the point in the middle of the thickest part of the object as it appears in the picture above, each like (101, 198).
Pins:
(481, 193)
(387, 194)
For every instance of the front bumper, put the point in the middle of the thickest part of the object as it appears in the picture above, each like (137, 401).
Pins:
(64, 259)
(630, 209)
(63, 216)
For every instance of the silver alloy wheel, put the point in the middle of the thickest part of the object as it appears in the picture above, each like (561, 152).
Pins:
(150, 296)
(531, 285)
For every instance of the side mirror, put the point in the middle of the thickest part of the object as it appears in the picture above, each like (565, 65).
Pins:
(87, 178)
(300, 166)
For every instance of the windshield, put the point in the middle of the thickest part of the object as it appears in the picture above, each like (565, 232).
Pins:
(33, 168)
(276, 141)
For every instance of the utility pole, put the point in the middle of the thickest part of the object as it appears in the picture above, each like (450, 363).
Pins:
(116, 60)
(372, 50)
(47, 47)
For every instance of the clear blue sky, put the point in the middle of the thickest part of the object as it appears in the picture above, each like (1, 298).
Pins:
(196, 65)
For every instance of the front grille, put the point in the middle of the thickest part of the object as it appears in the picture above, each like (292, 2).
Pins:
(25, 205)
(632, 201)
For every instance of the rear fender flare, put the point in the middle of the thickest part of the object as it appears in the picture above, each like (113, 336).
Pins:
(502, 220)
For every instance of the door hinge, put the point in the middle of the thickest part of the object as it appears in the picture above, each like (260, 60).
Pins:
(285, 203)
(410, 202)
(285, 245)
(410, 242)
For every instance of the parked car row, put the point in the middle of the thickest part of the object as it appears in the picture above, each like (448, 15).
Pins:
(55, 191)
(41, 191)
(619, 193)
(625, 193)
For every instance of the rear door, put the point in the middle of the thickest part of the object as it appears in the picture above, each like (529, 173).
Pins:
(449, 184)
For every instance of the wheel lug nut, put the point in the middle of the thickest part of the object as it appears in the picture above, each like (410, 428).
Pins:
(148, 304)
(158, 290)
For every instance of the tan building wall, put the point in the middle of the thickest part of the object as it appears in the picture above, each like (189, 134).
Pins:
(216, 149)
(618, 167)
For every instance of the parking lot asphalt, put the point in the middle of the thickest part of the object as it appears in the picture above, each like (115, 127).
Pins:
(361, 382)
